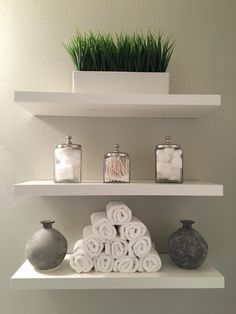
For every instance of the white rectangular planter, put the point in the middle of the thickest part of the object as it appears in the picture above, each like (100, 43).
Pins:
(120, 82)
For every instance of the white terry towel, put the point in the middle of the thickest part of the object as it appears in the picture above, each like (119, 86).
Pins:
(92, 245)
(140, 247)
(104, 263)
(126, 264)
(116, 248)
(150, 263)
(102, 228)
(133, 230)
(118, 213)
(79, 261)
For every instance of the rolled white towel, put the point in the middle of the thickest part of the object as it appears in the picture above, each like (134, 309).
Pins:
(140, 247)
(126, 264)
(118, 213)
(133, 230)
(150, 263)
(79, 261)
(116, 247)
(92, 245)
(104, 263)
(107, 247)
(102, 228)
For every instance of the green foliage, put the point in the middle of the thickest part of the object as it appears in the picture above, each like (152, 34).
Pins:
(133, 53)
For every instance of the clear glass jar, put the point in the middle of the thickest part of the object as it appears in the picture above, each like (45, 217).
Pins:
(116, 167)
(67, 162)
(169, 162)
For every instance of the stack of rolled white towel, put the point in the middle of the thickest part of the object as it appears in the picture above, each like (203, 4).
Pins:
(115, 241)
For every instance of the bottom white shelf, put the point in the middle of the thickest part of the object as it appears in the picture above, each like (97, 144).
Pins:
(169, 277)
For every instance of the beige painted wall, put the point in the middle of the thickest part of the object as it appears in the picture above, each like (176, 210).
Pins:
(32, 58)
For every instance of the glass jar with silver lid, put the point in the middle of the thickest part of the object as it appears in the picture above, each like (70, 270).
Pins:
(116, 167)
(67, 162)
(169, 162)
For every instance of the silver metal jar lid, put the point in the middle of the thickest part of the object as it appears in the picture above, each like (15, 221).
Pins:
(168, 144)
(69, 143)
(116, 152)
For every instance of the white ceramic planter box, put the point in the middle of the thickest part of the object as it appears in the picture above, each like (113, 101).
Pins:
(120, 82)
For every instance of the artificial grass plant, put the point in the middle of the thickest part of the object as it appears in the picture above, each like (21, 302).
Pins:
(94, 51)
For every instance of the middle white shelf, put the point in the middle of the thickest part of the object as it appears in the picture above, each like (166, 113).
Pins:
(96, 188)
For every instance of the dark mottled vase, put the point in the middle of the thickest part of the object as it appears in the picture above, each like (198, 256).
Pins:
(47, 248)
(186, 246)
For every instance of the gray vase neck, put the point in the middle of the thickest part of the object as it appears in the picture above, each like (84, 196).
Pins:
(47, 224)
(187, 223)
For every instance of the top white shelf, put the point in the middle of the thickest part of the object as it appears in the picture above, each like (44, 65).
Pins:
(116, 105)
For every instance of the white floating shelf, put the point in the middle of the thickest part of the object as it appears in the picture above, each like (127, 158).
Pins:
(96, 188)
(169, 277)
(116, 105)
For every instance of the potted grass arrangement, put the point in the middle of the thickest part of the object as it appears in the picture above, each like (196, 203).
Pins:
(125, 63)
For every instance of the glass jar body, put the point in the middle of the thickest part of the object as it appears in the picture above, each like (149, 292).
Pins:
(116, 169)
(169, 164)
(67, 164)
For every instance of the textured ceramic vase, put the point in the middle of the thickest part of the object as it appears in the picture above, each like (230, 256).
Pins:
(47, 248)
(186, 246)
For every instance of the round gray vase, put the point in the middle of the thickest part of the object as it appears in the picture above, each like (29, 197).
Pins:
(186, 246)
(47, 247)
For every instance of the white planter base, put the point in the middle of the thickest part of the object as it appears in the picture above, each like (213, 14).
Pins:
(120, 82)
